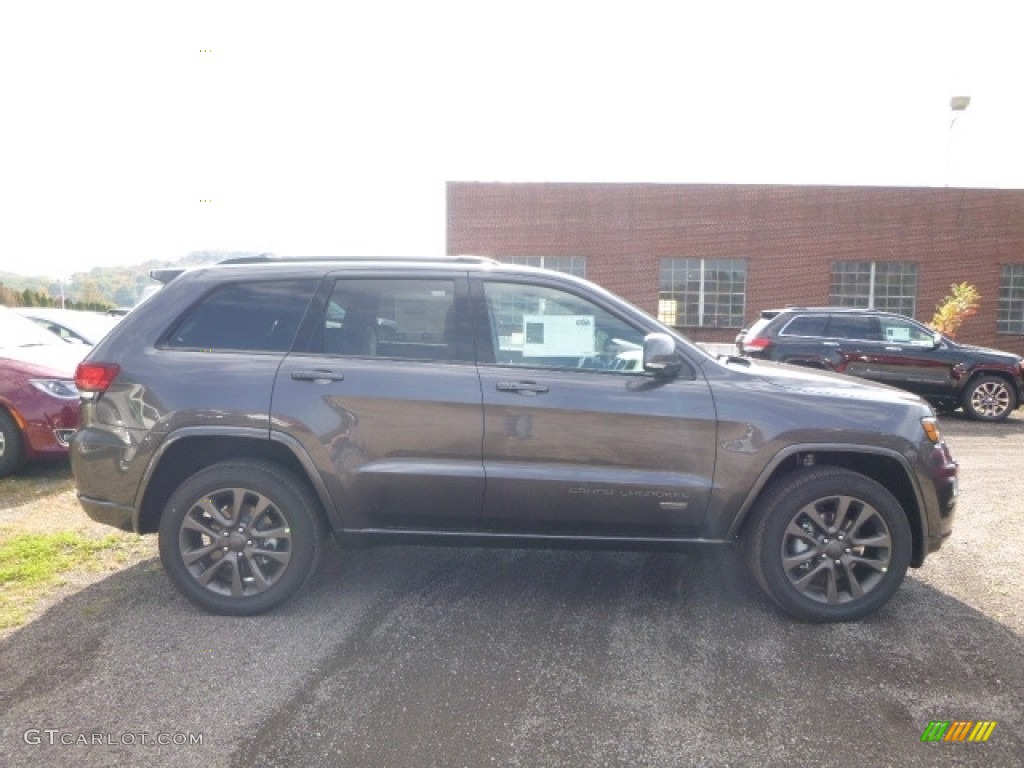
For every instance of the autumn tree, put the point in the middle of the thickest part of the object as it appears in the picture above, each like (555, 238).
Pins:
(955, 308)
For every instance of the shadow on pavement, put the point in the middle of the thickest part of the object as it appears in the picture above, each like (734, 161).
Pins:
(431, 656)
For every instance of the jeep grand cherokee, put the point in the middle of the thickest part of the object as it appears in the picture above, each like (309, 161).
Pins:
(891, 349)
(248, 409)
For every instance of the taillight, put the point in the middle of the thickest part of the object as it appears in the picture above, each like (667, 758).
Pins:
(759, 344)
(95, 377)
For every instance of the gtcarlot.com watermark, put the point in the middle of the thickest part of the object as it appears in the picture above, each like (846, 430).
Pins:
(57, 737)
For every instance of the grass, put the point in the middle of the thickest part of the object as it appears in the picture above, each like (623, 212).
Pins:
(48, 546)
(32, 565)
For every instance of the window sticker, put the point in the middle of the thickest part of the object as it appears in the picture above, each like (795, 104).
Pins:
(558, 335)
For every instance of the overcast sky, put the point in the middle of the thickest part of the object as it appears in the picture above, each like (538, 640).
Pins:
(139, 130)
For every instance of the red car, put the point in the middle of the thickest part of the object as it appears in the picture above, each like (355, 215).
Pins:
(38, 397)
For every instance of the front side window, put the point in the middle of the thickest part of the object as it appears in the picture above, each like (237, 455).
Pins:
(255, 317)
(703, 293)
(542, 327)
(890, 286)
(1010, 315)
(896, 330)
(404, 318)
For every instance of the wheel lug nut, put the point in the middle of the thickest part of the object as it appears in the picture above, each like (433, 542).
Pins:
(838, 562)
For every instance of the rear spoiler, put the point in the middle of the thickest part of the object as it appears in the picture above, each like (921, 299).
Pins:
(164, 275)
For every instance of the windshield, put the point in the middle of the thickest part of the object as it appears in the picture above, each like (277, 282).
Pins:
(18, 331)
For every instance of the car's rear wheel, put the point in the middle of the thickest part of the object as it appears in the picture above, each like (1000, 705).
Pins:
(828, 544)
(12, 449)
(240, 537)
(989, 398)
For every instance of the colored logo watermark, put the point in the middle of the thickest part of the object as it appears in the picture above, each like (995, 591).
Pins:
(958, 730)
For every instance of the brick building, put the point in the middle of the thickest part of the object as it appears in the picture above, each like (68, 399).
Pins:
(707, 258)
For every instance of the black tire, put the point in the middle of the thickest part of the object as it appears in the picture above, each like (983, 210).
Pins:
(828, 544)
(12, 447)
(989, 398)
(240, 537)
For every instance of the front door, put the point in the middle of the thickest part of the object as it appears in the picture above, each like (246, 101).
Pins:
(578, 438)
(903, 354)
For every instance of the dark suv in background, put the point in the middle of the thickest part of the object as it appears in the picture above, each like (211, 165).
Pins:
(247, 409)
(890, 349)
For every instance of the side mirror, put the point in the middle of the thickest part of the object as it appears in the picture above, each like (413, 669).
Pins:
(661, 356)
(936, 340)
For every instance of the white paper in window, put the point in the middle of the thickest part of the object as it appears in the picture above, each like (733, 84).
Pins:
(558, 335)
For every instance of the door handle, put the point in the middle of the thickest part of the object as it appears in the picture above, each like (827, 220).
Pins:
(524, 387)
(894, 349)
(320, 375)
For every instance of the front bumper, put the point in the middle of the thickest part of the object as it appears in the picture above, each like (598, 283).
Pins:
(108, 513)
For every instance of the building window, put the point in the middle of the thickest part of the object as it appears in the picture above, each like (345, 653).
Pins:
(886, 285)
(1010, 315)
(571, 265)
(703, 293)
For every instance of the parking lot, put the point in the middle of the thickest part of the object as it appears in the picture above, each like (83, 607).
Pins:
(470, 657)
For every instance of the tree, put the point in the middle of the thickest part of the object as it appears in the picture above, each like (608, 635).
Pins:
(9, 297)
(955, 308)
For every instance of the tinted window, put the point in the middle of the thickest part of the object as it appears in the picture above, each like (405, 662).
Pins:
(542, 327)
(859, 327)
(258, 316)
(806, 325)
(408, 319)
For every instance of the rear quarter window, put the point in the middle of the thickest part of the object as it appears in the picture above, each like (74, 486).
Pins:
(256, 316)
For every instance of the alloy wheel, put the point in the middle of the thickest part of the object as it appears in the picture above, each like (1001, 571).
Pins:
(836, 549)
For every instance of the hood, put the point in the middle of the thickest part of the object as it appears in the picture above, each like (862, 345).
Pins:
(55, 359)
(815, 382)
(1007, 358)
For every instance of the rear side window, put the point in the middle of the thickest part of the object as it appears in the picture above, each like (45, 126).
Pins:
(854, 327)
(406, 319)
(806, 325)
(254, 317)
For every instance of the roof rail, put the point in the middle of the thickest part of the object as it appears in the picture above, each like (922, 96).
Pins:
(265, 258)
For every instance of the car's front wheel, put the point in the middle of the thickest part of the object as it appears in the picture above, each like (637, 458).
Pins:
(829, 544)
(240, 537)
(989, 398)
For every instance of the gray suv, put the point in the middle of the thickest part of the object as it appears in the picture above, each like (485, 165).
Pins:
(248, 409)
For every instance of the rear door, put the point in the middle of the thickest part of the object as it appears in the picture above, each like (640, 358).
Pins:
(578, 439)
(385, 397)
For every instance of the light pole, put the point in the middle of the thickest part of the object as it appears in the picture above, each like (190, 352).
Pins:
(957, 104)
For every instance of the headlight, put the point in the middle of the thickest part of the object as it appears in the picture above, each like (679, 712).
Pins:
(65, 389)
